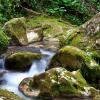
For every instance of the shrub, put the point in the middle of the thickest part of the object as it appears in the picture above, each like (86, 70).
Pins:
(4, 41)
(77, 11)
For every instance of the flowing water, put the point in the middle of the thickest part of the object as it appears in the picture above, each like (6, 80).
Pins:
(11, 80)
(2, 63)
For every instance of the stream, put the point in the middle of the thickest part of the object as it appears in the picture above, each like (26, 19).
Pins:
(10, 80)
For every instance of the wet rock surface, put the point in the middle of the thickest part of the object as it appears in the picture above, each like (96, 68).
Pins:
(72, 59)
(21, 61)
(56, 83)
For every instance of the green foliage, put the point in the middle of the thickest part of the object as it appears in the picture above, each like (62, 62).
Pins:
(96, 3)
(2, 18)
(8, 9)
(77, 11)
(38, 5)
(4, 41)
(9, 95)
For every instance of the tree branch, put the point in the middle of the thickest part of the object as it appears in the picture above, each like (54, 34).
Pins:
(34, 13)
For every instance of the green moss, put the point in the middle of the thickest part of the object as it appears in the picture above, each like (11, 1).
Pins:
(21, 60)
(16, 27)
(8, 95)
(81, 80)
(73, 58)
(51, 27)
(4, 41)
(75, 83)
(59, 82)
(95, 55)
(66, 55)
(29, 55)
(85, 38)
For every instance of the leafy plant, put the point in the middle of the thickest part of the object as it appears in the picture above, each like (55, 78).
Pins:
(4, 41)
(77, 10)
(8, 9)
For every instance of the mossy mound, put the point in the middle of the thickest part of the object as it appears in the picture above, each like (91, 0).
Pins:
(68, 57)
(21, 61)
(16, 29)
(56, 82)
(6, 95)
(4, 41)
(50, 27)
(41, 28)
(73, 58)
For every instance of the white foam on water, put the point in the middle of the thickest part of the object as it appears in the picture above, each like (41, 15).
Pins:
(2, 61)
(13, 79)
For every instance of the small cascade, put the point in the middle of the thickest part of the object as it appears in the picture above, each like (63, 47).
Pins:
(2, 62)
(2, 69)
(11, 79)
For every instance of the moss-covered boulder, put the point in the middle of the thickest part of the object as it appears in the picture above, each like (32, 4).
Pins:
(16, 29)
(4, 42)
(73, 58)
(20, 61)
(50, 28)
(68, 57)
(87, 37)
(56, 82)
(6, 95)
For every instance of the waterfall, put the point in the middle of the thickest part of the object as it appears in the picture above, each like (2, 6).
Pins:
(2, 62)
(10, 80)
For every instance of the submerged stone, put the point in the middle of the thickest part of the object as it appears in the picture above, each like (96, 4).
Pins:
(20, 61)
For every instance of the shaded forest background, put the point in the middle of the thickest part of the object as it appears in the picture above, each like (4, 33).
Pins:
(76, 11)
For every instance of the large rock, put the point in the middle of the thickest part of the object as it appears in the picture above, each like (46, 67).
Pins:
(92, 26)
(68, 57)
(20, 61)
(72, 59)
(87, 37)
(6, 95)
(50, 29)
(57, 82)
(37, 29)
(16, 29)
